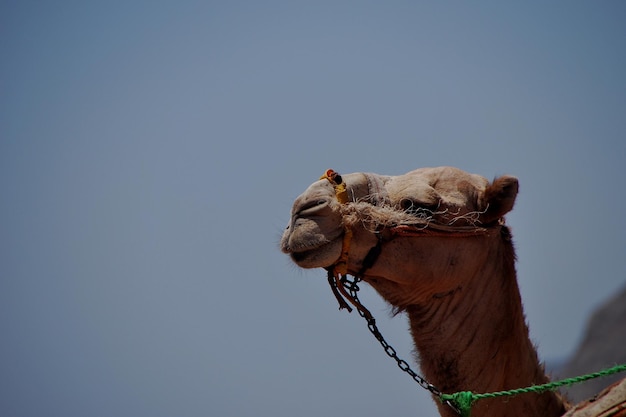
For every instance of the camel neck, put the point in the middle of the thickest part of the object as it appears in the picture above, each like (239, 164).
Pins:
(469, 343)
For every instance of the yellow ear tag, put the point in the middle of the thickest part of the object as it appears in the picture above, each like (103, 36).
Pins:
(338, 184)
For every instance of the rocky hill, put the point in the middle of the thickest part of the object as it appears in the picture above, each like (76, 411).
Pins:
(603, 346)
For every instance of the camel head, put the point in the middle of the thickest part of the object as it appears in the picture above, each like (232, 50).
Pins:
(433, 243)
(444, 199)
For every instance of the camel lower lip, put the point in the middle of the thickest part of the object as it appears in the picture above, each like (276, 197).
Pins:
(300, 256)
(304, 257)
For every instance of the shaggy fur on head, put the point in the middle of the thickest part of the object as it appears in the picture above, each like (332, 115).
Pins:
(374, 217)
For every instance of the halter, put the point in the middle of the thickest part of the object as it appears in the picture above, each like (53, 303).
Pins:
(338, 271)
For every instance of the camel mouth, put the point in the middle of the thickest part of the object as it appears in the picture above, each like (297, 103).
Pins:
(305, 252)
(318, 256)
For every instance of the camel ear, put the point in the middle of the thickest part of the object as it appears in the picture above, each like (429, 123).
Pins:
(499, 198)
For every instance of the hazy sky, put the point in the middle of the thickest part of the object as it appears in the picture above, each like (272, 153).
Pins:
(150, 152)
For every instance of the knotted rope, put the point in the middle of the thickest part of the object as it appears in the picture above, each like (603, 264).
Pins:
(464, 400)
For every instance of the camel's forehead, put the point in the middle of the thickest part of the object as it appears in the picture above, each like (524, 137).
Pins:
(447, 178)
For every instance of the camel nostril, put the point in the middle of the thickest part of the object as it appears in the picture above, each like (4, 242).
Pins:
(311, 207)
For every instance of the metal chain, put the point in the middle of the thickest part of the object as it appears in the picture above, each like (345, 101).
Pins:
(353, 288)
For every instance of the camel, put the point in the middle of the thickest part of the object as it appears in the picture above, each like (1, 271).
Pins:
(434, 244)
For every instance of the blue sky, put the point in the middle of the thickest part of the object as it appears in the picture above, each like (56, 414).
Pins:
(150, 153)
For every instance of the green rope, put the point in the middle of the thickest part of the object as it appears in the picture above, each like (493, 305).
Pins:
(464, 400)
